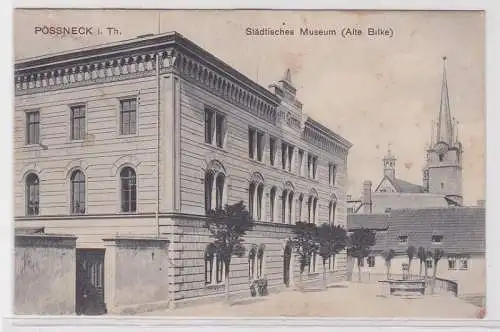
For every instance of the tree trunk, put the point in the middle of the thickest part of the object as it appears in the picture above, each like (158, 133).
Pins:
(420, 270)
(426, 273)
(434, 272)
(301, 280)
(359, 269)
(387, 268)
(409, 268)
(324, 273)
(226, 282)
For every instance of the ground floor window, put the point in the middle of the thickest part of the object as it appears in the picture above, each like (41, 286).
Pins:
(452, 263)
(370, 261)
(464, 263)
(214, 266)
(428, 263)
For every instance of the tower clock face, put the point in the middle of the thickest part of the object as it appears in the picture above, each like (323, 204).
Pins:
(442, 148)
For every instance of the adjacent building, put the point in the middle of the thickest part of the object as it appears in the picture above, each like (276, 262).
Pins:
(126, 146)
(441, 176)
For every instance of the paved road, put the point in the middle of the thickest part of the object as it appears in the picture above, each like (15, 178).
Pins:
(350, 300)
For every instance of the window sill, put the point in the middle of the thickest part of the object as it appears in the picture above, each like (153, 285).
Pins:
(219, 286)
(127, 136)
(215, 147)
(32, 147)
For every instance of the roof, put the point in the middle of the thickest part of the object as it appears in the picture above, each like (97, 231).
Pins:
(462, 229)
(372, 221)
(407, 187)
(402, 186)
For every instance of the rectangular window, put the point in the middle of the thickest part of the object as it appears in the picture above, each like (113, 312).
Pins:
(315, 167)
(251, 143)
(290, 157)
(209, 117)
(464, 263)
(452, 263)
(128, 116)
(284, 150)
(272, 150)
(429, 263)
(300, 163)
(215, 128)
(260, 145)
(309, 165)
(332, 174)
(78, 122)
(437, 239)
(403, 239)
(33, 127)
(370, 261)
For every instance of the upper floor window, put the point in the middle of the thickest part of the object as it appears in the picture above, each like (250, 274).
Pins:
(272, 204)
(332, 173)
(32, 195)
(437, 239)
(272, 150)
(464, 263)
(128, 116)
(215, 181)
(287, 206)
(403, 239)
(215, 124)
(312, 204)
(452, 263)
(77, 192)
(332, 208)
(128, 190)
(312, 166)
(77, 122)
(255, 200)
(33, 127)
(255, 144)
(287, 151)
(300, 168)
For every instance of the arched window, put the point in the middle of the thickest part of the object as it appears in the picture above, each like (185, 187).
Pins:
(214, 266)
(32, 195)
(251, 199)
(309, 209)
(128, 190)
(252, 254)
(209, 183)
(332, 207)
(215, 181)
(300, 203)
(260, 261)
(77, 192)
(272, 203)
(287, 206)
(312, 263)
(315, 205)
(284, 198)
(260, 197)
(219, 190)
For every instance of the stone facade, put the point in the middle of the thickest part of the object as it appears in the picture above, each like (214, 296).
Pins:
(174, 83)
(44, 274)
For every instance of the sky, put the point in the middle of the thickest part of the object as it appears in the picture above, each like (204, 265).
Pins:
(374, 91)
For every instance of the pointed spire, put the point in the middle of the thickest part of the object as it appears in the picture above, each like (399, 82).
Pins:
(287, 77)
(444, 125)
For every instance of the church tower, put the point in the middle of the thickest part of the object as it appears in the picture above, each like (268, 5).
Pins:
(443, 171)
(389, 165)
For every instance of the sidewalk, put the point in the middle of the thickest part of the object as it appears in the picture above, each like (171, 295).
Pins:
(350, 300)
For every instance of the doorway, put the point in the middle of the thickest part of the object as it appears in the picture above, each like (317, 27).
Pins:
(90, 282)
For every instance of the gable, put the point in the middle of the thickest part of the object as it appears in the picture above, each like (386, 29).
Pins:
(386, 186)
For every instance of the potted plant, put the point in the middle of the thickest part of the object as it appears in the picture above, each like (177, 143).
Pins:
(253, 288)
(262, 286)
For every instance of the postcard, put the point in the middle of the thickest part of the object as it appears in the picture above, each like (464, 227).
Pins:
(249, 163)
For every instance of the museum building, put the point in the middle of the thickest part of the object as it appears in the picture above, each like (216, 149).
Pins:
(120, 151)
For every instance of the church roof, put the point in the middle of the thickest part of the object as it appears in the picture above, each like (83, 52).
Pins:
(462, 229)
(402, 186)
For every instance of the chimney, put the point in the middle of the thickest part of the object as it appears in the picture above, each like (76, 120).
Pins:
(367, 197)
(481, 203)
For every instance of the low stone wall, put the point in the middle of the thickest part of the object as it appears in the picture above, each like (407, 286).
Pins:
(137, 274)
(44, 274)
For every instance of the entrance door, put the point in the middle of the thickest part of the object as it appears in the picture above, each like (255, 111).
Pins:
(90, 282)
(287, 255)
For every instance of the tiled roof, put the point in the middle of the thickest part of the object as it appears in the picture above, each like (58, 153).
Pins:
(462, 229)
(407, 187)
(371, 221)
